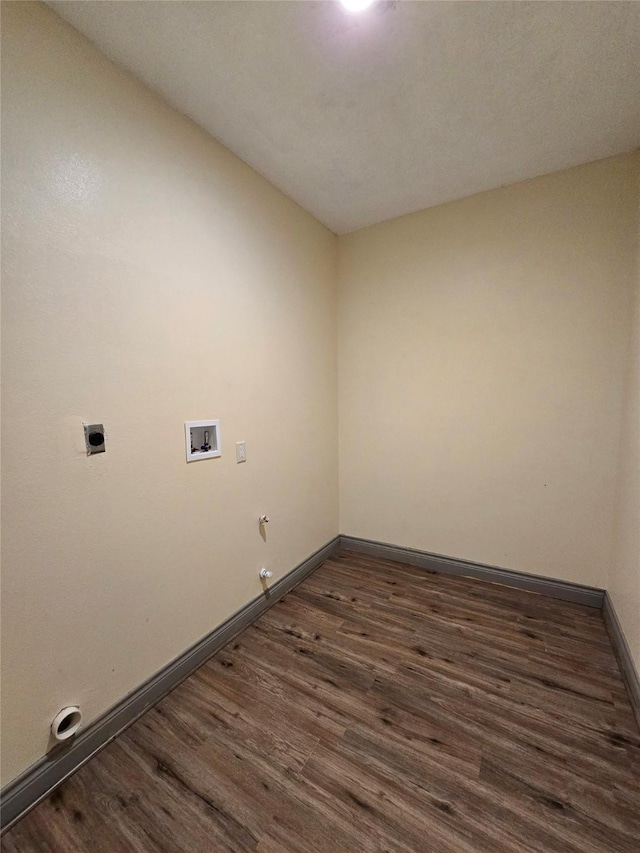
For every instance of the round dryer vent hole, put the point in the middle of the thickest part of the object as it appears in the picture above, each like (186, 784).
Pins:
(66, 723)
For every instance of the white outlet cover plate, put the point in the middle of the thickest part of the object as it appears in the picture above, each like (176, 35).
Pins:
(241, 451)
(194, 435)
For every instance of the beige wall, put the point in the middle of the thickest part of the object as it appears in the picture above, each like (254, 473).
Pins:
(624, 578)
(482, 351)
(149, 278)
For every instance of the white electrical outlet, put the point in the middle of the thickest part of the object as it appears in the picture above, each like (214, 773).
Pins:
(241, 452)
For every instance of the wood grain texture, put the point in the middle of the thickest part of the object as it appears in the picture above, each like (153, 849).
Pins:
(377, 707)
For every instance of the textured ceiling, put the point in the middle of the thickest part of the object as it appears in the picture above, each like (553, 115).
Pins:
(361, 118)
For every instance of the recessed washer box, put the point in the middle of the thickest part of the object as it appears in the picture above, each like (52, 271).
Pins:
(202, 440)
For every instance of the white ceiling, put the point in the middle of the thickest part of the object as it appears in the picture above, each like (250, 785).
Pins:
(361, 118)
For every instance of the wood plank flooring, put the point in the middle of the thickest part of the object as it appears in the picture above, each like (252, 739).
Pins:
(378, 707)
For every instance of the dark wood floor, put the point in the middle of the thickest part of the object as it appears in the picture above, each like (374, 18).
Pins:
(378, 707)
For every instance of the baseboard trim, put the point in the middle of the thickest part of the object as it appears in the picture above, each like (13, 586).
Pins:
(564, 590)
(42, 778)
(623, 654)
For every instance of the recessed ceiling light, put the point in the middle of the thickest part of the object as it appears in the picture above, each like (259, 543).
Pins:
(356, 5)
